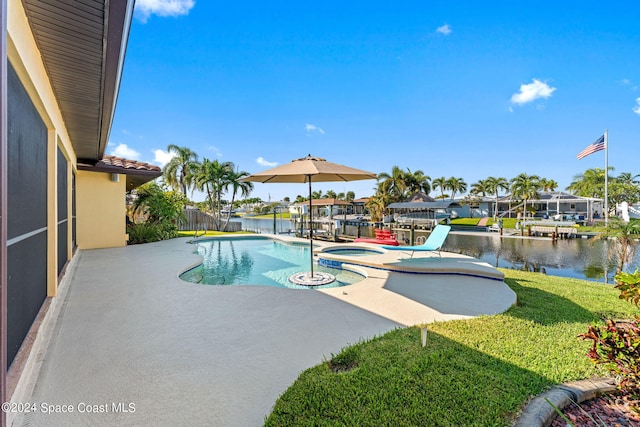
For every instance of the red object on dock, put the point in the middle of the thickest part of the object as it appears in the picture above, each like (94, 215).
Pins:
(390, 242)
(383, 237)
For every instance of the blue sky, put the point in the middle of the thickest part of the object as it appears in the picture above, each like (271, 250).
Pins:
(465, 89)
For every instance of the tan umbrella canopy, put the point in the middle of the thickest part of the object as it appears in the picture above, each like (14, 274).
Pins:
(308, 169)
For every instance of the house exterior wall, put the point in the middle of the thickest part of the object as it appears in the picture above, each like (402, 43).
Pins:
(100, 211)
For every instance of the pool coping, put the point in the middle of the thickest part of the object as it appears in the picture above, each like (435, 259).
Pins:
(390, 287)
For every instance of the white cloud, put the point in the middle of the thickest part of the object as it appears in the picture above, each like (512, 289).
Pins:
(122, 150)
(216, 151)
(636, 109)
(312, 128)
(162, 157)
(145, 8)
(627, 82)
(444, 29)
(532, 91)
(262, 162)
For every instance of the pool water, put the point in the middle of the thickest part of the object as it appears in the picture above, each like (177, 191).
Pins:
(258, 261)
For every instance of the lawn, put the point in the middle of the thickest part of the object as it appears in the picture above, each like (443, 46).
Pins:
(279, 215)
(472, 372)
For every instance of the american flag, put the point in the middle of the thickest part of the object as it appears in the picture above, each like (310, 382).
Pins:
(598, 145)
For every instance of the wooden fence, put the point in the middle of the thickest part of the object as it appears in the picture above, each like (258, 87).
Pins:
(197, 220)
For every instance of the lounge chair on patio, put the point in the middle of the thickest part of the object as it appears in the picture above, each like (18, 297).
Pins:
(433, 243)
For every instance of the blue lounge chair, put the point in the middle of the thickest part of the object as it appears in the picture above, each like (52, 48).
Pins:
(434, 242)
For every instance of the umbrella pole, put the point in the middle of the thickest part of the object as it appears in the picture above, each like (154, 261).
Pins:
(310, 227)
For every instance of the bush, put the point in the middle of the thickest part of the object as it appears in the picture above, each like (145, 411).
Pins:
(146, 232)
(616, 345)
(163, 210)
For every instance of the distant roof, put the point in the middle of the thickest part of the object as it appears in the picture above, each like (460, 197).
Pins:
(324, 202)
(420, 196)
(423, 205)
(362, 200)
(547, 196)
(137, 172)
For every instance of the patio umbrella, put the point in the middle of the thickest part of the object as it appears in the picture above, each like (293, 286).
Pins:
(308, 169)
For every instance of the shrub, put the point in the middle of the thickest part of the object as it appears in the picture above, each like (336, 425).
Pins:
(162, 210)
(616, 345)
(147, 232)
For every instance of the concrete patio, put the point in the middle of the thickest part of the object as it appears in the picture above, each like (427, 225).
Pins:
(129, 331)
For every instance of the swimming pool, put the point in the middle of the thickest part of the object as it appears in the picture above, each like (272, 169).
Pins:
(258, 261)
(352, 251)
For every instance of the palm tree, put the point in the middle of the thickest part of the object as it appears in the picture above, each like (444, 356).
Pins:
(417, 181)
(589, 184)
(494, 185)
(480, 188)
(548, 184)
(627, 178)
(350, 197)
(330, 194)
(213, 177)
(178, 173)
(394, 184)
(440, 183)
(456, 185)
(525, 187)
(377, 205)
(234, 178)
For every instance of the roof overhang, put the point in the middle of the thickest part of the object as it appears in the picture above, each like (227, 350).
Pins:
(83, 44)
(137, 173)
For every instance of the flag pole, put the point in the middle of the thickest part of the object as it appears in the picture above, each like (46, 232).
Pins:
(606, 177)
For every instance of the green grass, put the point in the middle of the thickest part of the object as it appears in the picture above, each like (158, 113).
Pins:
(465, 221)
(476, 372)
(283, 215)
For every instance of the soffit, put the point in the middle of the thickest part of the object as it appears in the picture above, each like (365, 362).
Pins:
(82, 44)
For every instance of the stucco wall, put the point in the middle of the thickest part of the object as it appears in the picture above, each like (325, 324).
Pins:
(101, 211)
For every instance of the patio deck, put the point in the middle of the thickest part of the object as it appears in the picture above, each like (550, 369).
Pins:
(130, 331)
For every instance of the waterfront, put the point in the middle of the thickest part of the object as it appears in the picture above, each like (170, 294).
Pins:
(578, 258)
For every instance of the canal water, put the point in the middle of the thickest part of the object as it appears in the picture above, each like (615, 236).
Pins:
(578, 258)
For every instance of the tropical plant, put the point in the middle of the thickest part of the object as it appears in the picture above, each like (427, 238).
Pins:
(480, 188)
(178, 172)
(589, 184)
(456, 185)
(394, 184)
(417, 181)
(237, 185)
(493, 186)
(547, 184)
(330, 194)
(623, 188)
(440, 183)
(525, 187)
(162, 211)
(377, 205)
(212, 177)
(351, 196)
(616, 345)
